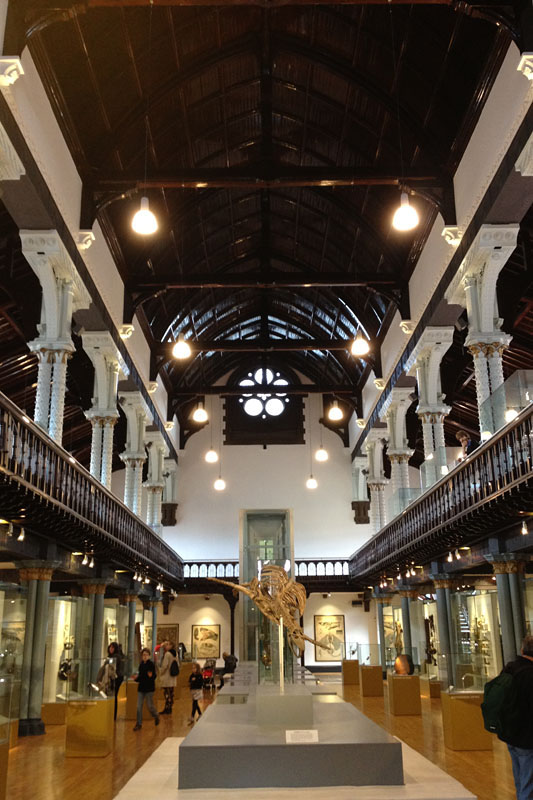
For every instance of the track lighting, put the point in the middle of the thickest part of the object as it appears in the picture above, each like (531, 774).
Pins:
(450, 557)
(91, 562)
(335, 413)
(181, 349)
(144, 221)
(85, 560)
(413, 573)
(200, 414)
(360, 346)
(147, 579)
(457, 555)
(524, 529)
(399, 576)
(311, 482)
(22, 535)
(405, 217)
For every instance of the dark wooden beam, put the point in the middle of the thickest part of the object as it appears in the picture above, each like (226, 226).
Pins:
(238, 391)
(267, 176)
(87, 4)
(291, 280)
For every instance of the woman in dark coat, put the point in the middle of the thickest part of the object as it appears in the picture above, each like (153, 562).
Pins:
(115, 654)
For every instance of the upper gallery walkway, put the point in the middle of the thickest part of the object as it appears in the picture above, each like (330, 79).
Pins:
(485, 494)
(45, 492)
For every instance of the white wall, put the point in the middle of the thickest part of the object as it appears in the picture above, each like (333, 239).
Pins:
(194, 609)
(359, 625)
(208, 521)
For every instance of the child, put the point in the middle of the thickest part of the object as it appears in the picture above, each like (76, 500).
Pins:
(146, 680)
(196, 683)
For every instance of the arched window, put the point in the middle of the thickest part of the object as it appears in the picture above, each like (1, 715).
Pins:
(186, 571)
(203, 571)
(229, 570)
(220, 571)
(345, 568)
(311, 570)
(236, 575)
(194, 571)
(329, 568)
(211, 571)
(320, 568)
(338, 568)
(302, 570)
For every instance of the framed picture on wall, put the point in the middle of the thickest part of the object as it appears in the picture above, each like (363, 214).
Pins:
(329, 632)
(168, 633)
(205, 641)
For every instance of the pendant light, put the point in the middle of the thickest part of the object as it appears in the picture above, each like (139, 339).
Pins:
(360, 346)
(311, 482)
(405, 217)
(220, 484)
(321, 454)
(211, 456)
(200, 414)
(334, 412)
(144, 221)
(181, 349)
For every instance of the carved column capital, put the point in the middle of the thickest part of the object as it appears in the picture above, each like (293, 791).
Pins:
(442, 583)
(93, 588)
(35, 574)
(124, 599)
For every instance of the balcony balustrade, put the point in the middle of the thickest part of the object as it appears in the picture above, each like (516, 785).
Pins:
(58, 497)
(304, 568)
(483, 493)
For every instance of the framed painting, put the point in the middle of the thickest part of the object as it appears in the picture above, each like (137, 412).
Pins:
(329, 632)
(168, 633)
(205, 641)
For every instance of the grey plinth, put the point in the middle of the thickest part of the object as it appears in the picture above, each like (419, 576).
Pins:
(351, 750)
(292, 708)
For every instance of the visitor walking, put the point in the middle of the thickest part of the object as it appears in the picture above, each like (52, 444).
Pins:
(146, 679)
(168, 672)
(196, 683)
(116, 656)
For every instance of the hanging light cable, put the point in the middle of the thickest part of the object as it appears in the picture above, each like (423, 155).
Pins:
(405, 217)
(220, 484)
(144, 221)
(311, 482)
(211, 456)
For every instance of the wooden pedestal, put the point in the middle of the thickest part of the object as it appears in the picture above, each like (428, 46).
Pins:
(131, 701)
(89, 728)
(404, 694)
(429, 688)
(54, 713)
(4, 756)
(463, 723)
(371, 681)
(350, 672)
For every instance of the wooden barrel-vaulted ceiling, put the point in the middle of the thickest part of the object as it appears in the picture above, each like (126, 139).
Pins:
(272, 143)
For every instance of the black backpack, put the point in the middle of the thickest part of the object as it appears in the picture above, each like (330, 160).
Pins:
(501, 709)
(174, 668)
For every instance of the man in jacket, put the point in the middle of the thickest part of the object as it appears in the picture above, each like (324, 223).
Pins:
(146, 680)
(521, 743)
(230, 665)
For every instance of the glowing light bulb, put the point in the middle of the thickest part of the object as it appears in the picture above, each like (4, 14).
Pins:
(524, 529)
(211, 456)
(144, 221)
(181, 349)
(22, 535)
(91, 563)
(311, 482)
(85, 560)
(321, 454)
(511, 414)
(219, 485)
(485, 436)
(450, 557)
(335, 413)
(360, 346)
(405, 217)
(200, 414)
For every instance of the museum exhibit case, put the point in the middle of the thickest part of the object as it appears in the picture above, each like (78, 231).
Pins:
(8, 726)
(12, 633)
(265, 538)
(476, 645)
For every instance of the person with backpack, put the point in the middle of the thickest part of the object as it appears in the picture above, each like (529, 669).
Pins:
(508, 711)
(168, 672)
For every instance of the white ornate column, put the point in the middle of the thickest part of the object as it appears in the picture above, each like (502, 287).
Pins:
(63, 293)
(157, 450)
(103, 414)
(474, 287)
(394, 411)
(424, 362)
(134, 456)
(376, 480)
(360, 502)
